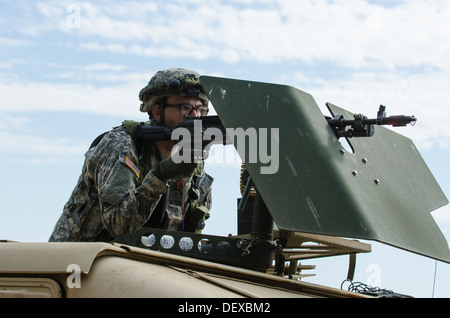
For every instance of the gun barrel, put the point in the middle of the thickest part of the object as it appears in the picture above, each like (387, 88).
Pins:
(401, 120)
(362, 126)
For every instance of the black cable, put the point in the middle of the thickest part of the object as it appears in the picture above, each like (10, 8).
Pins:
(361, 288)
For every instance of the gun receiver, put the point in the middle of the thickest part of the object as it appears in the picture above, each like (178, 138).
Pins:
(361, 126)
(211, 126)
(204, 130)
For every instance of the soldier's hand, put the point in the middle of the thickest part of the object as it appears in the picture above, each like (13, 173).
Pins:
(168, 169)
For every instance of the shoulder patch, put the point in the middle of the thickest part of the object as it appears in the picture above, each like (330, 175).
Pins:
(132, 166)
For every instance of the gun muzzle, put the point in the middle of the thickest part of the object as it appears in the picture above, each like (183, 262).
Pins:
(401, 120)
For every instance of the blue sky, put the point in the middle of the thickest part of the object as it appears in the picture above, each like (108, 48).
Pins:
(70, 70)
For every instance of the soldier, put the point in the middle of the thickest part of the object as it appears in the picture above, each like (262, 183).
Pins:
(125, 185)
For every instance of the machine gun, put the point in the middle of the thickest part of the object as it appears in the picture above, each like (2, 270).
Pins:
(361, 126)
(202, 131)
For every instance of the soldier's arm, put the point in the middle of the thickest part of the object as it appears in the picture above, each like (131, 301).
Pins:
(125, 205)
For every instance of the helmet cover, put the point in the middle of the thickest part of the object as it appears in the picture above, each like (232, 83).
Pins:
(172, 82)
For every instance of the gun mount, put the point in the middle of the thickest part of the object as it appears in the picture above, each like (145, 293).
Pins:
(321, 189)
(320, 193)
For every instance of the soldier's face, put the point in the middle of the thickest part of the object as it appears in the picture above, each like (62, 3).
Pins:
(176, 108)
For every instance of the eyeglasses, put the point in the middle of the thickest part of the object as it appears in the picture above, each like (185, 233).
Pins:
(187, 109)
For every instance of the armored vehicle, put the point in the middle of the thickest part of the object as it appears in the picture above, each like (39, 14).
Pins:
(304, 196)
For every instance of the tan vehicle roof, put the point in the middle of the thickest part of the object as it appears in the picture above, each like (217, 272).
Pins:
(115, 270)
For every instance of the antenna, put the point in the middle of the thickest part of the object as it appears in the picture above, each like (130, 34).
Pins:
(434, 279)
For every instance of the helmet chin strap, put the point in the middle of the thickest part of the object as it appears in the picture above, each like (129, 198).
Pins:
(161, 105)
(162, 113)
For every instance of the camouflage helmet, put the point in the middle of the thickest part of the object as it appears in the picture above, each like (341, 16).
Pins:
(172, 82)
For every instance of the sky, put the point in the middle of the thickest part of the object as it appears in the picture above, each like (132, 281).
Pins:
(71, 70)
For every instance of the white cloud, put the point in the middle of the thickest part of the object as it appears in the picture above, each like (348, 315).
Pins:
(10, 64)
(20, 139)
(7, 42)
(442, 215)
(353, 34)
(94, 74)
(105, 67)
(119, 100)
(442, 218)
(394, 55)
(37, 146)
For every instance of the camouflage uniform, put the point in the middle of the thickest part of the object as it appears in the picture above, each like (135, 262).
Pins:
(117, 191)
(114, 196)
